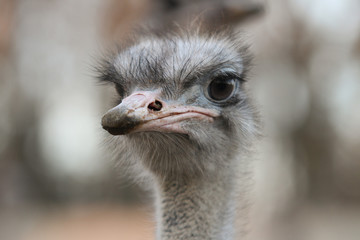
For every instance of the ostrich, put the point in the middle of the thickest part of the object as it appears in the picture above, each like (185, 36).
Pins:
(184, 121)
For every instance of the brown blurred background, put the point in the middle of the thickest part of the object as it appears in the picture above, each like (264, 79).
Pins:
(56, 179)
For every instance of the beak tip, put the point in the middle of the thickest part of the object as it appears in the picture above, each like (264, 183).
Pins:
(118, 124)
(115, 131)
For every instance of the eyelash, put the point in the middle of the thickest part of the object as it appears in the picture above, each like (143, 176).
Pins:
(226, 76)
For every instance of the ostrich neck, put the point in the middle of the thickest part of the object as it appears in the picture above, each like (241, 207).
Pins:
(201, 209)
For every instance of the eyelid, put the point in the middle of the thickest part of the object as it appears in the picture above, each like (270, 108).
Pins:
(227, 76)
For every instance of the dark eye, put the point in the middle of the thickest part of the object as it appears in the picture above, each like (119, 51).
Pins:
(120, 90)
(221, 89)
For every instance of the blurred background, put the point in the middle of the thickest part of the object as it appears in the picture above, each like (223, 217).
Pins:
(56, 179)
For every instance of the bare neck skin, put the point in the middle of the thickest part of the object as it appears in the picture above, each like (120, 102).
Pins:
(201, 209)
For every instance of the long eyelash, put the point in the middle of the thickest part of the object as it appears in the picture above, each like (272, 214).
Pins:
(227, 76)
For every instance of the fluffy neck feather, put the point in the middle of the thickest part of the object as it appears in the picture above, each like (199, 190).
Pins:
(195, 188)
(201, 209)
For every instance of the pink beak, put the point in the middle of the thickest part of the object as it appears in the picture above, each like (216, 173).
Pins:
(144, 111)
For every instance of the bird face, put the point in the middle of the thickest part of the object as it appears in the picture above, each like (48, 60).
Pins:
(145, 111)
(183, 91)
(164, 84)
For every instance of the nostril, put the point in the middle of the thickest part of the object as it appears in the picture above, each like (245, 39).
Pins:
(155, 106)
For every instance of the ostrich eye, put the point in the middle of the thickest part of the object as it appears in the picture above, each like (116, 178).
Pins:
(120, 90)
(221, 89)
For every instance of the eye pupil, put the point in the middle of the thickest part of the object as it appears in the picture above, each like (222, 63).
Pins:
(220, 90)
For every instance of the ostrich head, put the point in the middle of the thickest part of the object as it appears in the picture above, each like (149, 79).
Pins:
(183, 110)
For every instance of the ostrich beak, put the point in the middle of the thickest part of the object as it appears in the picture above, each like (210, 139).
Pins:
(144, 111)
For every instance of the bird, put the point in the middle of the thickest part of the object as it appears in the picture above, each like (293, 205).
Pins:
(184, 122)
